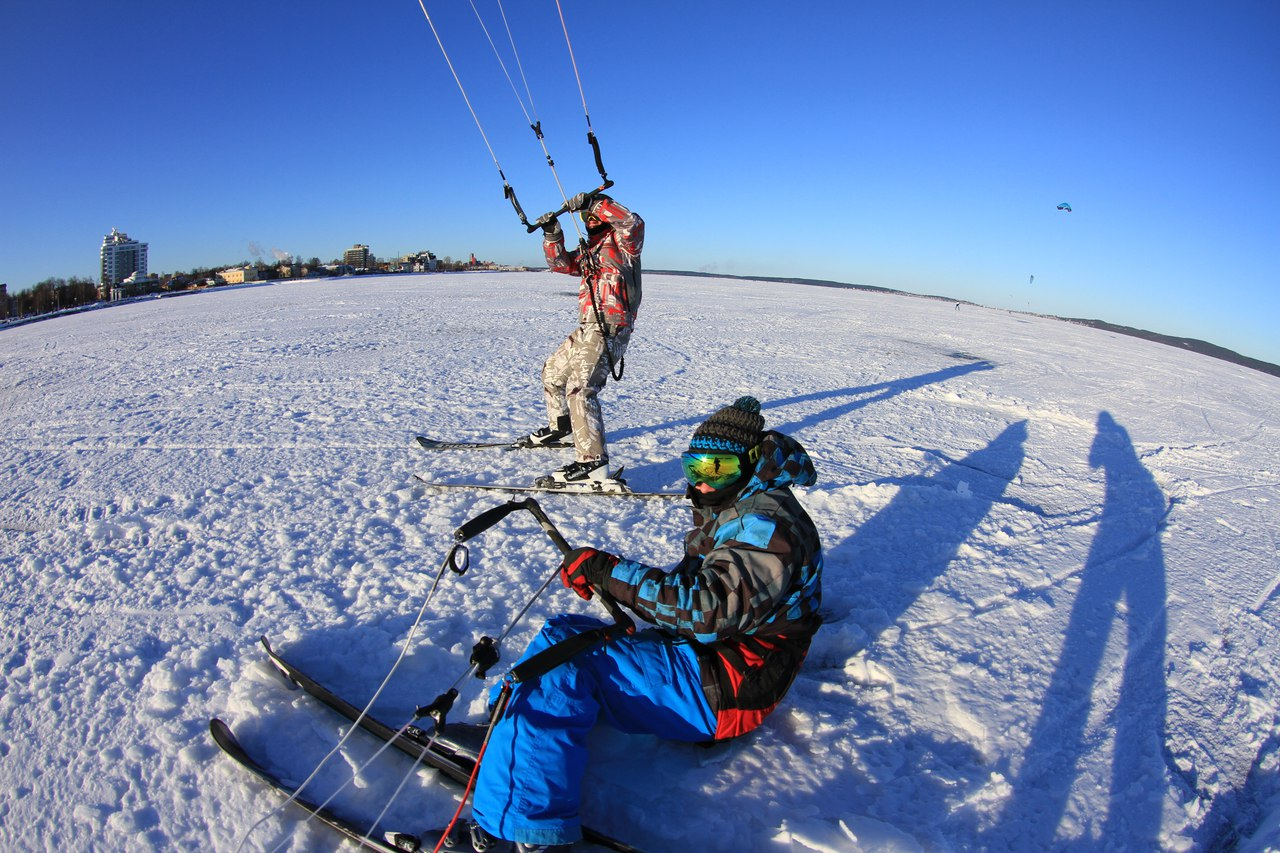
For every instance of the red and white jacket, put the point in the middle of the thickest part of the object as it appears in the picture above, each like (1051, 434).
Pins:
(610, 267)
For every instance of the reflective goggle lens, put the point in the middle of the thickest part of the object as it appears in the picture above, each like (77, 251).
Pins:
(717, 470)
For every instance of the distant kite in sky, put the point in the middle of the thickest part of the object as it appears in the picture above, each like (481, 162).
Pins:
(1033, 280)
(1065, 206)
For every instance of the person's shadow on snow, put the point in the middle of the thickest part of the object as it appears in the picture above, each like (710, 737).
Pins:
(840, 402)
(881, 570)
(1123, 580)
(872, 579)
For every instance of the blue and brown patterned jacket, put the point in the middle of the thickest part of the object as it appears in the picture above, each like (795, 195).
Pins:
(746, 594)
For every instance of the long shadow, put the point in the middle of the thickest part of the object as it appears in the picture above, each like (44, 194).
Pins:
(898, 553)
(845, 401)
(862, 396)
(1236, 814)
(1124, 578)
(876, 575)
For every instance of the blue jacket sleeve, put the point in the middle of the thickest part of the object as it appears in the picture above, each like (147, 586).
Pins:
(732, 591)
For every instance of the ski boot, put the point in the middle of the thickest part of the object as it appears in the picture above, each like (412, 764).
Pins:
(547, 435)
(467, 839)
(592, 477)
(575, 472)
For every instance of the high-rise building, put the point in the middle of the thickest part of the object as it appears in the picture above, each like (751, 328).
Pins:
(121, 258)
(357, 256)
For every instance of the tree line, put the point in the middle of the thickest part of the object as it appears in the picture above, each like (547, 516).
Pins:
(52, 294)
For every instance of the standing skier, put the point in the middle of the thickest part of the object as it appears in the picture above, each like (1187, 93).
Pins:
(608, 261)
(734, 621)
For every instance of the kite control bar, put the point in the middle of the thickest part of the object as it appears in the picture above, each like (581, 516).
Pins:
(564, 208)
(485, 653)
(490, 517)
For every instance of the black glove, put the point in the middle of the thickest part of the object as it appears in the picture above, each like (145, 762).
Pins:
(581, 201)
(549, 224)
(585, 569)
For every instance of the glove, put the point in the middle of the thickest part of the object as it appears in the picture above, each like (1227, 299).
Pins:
(581, 201)
(549, 224)
(585, 569)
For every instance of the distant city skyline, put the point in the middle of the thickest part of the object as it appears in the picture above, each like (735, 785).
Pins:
(358, 255)
(923, 147)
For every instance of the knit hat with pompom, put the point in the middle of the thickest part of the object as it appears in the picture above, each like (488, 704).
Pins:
(733, 429)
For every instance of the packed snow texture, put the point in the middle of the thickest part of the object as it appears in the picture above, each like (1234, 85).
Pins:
(1050, 589)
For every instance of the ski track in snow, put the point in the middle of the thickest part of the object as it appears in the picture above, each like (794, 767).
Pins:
(1051, 565)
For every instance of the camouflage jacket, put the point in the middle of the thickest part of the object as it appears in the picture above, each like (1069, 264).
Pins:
(609, 266)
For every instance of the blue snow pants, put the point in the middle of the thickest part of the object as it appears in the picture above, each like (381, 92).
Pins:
(531, 776)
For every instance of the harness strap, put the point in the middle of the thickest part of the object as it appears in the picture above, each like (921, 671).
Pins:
(568, 648)
(590, 266)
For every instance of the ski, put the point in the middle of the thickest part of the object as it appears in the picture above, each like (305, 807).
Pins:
(434, 444)
(454, 762)
(606, 490)
(223, 736)
(612, 486)
(413, 742)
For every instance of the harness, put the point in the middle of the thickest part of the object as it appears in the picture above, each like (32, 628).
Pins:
(589, 264)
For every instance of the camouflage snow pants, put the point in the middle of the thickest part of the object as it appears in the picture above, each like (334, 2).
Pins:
(573, 377)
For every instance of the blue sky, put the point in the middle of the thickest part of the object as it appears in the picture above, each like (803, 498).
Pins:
(920, 146)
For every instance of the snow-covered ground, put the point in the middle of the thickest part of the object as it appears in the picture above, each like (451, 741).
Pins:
(1051, 564)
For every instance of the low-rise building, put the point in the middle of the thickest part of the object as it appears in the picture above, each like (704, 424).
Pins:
(238, 275)
(136, 284)
(420, 262)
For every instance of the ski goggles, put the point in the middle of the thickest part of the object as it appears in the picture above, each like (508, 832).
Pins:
(717, 470)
